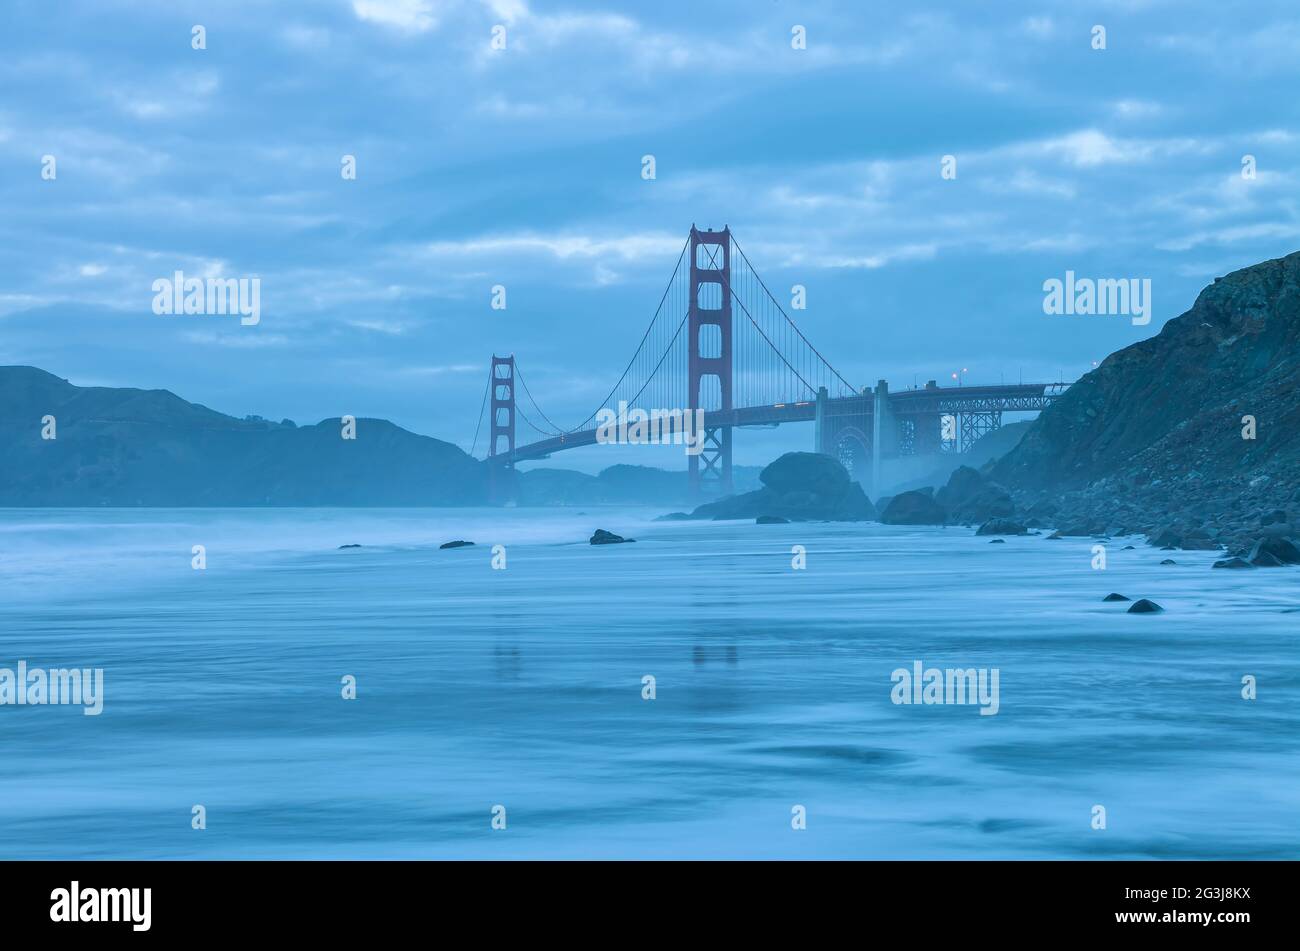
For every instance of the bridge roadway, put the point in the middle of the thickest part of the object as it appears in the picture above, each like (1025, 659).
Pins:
(929, 401)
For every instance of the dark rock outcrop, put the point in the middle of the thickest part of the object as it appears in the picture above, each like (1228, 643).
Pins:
(1159, 436)
(459, 543)
(771, 520)
(603, 537)
(916, 507)
(1114, 596)
(969, 498)
(353, 545)
(799, 486)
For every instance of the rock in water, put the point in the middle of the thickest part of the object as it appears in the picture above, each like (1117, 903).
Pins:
(805, 472)
(459, 543)
(800, 486)
(1144, 606)
(916, 507)
(1001, 526)
(997, 541)
(1233, 563)
(1168, 561)
(1280, 550)
(353, 545)
(1263, 559)
(603, 537)
(771, 520)
(1113, 596)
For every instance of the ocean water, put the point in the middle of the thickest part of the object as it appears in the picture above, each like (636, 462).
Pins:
(522, 688)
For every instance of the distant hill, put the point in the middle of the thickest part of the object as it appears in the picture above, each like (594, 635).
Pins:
(1158, 425)
(615, 485)
(150, 447)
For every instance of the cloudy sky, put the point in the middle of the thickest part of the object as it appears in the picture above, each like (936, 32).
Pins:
(522, 167)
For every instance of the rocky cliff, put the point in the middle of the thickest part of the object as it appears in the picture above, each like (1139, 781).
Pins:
(1155, 434)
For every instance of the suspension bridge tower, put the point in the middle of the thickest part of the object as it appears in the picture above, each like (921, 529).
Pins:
(709, 356)
(501, 474)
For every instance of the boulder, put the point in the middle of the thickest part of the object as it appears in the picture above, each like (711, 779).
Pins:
(916, 507)
(603, 537)
(353, 545)
(970, 498)
(806, 472)
(1168, 561)
(1113, 596)
(997, 541)
(800, 486)
(1262, 559)
(1144, 606)
(459, 543)
(1282, 550)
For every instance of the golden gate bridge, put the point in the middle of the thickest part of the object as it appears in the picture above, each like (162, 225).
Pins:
(720, 341)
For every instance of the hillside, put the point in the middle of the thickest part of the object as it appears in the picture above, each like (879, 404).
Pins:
(1155, 432)
(150, 447)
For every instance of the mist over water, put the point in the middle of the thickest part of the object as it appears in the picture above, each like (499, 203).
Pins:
(523, 687)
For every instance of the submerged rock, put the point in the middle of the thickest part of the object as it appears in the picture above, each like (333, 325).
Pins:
(1114, 596)
(603, 537)
(771, 520)
(353, 545)
(1145, 606)
(997, 541)
(1168, 561)
(1001, 526)
(1233, 563)
(459, 543)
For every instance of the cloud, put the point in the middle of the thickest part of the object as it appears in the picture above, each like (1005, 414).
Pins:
(563, 247)
(407, 16)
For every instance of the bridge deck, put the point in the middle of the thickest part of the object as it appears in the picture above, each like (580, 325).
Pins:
(1018, 397)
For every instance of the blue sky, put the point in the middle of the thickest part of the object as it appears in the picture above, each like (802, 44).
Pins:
(522, 167)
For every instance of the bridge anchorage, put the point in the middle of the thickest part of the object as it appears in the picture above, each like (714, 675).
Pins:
(720, 342)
